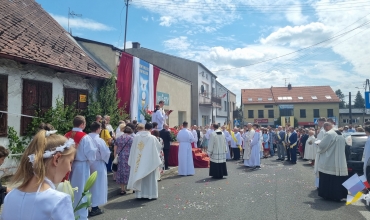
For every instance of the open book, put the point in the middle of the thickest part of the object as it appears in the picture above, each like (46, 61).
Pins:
(169, 112)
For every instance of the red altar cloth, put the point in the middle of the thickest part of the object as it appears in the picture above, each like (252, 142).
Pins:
(200, 159)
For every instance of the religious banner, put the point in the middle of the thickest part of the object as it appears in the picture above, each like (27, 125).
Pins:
(137, 86)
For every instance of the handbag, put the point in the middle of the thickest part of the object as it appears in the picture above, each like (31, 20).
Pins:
(115, 161)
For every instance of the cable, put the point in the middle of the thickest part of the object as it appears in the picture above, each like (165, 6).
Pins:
(305, 48)
(120, 24)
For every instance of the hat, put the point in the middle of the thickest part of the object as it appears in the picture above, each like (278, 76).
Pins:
(346, 126)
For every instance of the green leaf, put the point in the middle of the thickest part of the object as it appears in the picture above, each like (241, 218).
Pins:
(88, 197)
(81, 206)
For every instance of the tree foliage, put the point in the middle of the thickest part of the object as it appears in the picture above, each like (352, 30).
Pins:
(359, 101)
(341, 97)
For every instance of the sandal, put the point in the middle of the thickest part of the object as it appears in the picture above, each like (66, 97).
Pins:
(123, 193)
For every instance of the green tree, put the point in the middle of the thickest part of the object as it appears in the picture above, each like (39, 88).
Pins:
(359, 101)
(105, 102)
(341, 97)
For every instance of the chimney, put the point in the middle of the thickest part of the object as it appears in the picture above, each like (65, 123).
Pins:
(136, 45)
(289, 86)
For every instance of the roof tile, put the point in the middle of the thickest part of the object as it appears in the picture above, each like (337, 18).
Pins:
(290, 95)
(28, 32)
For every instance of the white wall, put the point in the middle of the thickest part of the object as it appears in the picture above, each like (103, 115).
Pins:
(16, 72)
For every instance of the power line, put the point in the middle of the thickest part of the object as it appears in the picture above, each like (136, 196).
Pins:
(305, 48)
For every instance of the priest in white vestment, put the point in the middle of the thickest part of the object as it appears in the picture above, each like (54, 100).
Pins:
(194, 132)
(367, 149)
(99, 190)
(228, 140)
(247, 144)
(186, 163)
(144, 162)
(320, 136)
(217, 148)
(254, 160)
(236, 142)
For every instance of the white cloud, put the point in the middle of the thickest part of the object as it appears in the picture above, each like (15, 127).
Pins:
(298, 36)
(166, 21)
(179, 43)
(295, 16)
(145, 18)
(81, 23)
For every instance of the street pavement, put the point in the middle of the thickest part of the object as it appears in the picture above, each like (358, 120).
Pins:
(277, 191)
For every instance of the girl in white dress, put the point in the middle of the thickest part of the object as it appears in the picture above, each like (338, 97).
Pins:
(44, 163)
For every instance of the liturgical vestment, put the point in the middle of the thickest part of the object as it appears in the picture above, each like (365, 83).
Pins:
(186, 163)
(144, 162)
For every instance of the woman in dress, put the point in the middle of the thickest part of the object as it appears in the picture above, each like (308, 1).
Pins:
(122, 148)
(44, 163)
(161, 154)
(266, 149)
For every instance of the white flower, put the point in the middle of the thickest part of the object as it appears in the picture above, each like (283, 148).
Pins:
(66, 187)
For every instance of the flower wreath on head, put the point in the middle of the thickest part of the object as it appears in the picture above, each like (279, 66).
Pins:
(48, 153)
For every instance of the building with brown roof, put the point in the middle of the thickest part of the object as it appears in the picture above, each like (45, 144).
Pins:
(267, 106)
(39, 62)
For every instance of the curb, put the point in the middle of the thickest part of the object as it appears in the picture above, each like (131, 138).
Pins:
(114, 192)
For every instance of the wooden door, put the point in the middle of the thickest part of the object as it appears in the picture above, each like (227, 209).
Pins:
(3, 105)
(37, 96)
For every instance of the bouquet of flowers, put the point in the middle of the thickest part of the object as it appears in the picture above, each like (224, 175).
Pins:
(173, 132)
(66, 187)
(147, 114)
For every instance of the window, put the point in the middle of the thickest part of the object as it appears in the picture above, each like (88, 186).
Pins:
(300, 97)
(250, 99)
(259, 99)
(345, 121)
(328, 97)
(280, 98)
(316, 113)
(3, 105)
(37, 96)
(271, 113)
(225, 104)
(314, 97)
(270, 99)
(181, 117)
(286, 112)
(269, 106)
(250, 114)
(76, 97)
(330, 113)
(302, 113)
(260, 114)
(289, 98)
(233, 106)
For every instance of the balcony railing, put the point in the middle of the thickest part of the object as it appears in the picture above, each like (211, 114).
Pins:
(207, 99)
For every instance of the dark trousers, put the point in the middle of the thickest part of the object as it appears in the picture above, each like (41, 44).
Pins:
(231, 152)
(236, 152)
(293, 154)
(166, 153)
(288, 153)
(198, 144)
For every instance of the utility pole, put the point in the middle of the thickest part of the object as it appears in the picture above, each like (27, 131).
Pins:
(71, 14)
(350, 108)
(124, 43)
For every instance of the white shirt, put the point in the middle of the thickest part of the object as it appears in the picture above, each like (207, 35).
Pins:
(48, 204)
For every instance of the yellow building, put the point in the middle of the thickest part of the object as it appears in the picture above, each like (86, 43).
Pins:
(279, 105)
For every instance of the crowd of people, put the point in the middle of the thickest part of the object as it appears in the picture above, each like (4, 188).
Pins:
(138, 154)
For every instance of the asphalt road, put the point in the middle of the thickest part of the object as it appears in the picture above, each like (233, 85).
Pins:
(277, 191)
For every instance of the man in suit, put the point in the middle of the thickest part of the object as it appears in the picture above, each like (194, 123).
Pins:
(198, 135)
(166, 137)
(292, 143)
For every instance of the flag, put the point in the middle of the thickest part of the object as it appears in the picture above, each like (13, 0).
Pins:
(353, 199)
(354, 184)
(364, 181)
(224, 95)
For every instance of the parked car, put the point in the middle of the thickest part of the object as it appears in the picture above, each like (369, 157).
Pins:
(355, 144)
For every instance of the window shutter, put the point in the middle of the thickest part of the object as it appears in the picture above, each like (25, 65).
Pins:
(70, 97)
(3, 105)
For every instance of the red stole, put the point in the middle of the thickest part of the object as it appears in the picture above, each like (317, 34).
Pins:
(77, 137)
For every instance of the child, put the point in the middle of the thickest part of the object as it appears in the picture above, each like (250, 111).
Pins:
(44, 163)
